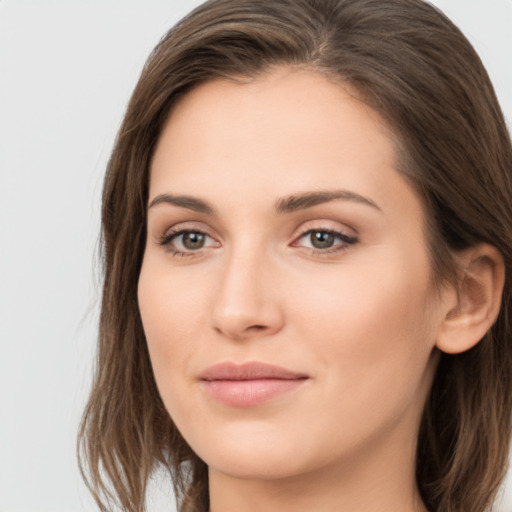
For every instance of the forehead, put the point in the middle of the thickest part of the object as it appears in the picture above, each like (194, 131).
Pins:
(285, 132)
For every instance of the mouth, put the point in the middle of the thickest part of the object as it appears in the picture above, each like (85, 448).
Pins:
(249, 384)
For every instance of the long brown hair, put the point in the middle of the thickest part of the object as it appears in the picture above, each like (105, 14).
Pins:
(413, 66)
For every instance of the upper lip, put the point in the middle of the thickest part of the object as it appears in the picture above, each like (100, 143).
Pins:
(249, 371)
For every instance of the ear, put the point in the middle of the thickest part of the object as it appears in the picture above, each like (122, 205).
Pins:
(475, 304)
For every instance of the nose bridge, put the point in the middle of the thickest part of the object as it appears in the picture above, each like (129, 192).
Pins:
(246, 302)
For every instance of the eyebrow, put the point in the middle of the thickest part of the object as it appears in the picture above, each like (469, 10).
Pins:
(188, 202)
(310, 199)
(288, 204)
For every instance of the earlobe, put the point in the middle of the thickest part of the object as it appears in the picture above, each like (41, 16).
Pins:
(477, 302)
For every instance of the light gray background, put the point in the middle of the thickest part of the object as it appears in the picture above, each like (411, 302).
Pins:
(67, 69)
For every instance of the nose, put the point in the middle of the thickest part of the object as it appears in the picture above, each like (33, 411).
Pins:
(247, 303)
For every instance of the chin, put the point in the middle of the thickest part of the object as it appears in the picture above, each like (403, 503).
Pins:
(260, 456)
(250, 453)
(252, 466)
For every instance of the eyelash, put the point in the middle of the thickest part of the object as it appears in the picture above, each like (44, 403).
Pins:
(345, 241)
(166, 241)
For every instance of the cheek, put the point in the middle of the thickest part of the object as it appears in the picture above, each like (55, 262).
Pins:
(373, 346)
(372, 327)
(381, 289)
(173, 314)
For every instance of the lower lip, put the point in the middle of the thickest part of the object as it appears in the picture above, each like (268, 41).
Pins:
(249, 393)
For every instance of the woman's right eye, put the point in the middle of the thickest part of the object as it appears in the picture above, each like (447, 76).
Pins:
(185, 242)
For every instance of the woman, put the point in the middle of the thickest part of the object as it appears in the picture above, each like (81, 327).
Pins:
(307, 239)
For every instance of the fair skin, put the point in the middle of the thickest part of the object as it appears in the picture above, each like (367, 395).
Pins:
(336, 289)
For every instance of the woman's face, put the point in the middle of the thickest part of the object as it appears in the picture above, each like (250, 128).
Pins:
(286, 292)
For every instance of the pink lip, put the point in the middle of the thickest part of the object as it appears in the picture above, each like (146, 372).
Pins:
(249, 384)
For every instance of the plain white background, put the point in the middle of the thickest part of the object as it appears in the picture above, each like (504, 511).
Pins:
(67, 69)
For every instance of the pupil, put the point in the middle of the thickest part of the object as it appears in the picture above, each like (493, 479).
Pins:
(193, 240)
(322, 239)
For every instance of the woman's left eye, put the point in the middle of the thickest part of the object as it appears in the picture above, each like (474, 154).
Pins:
(324, 240)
